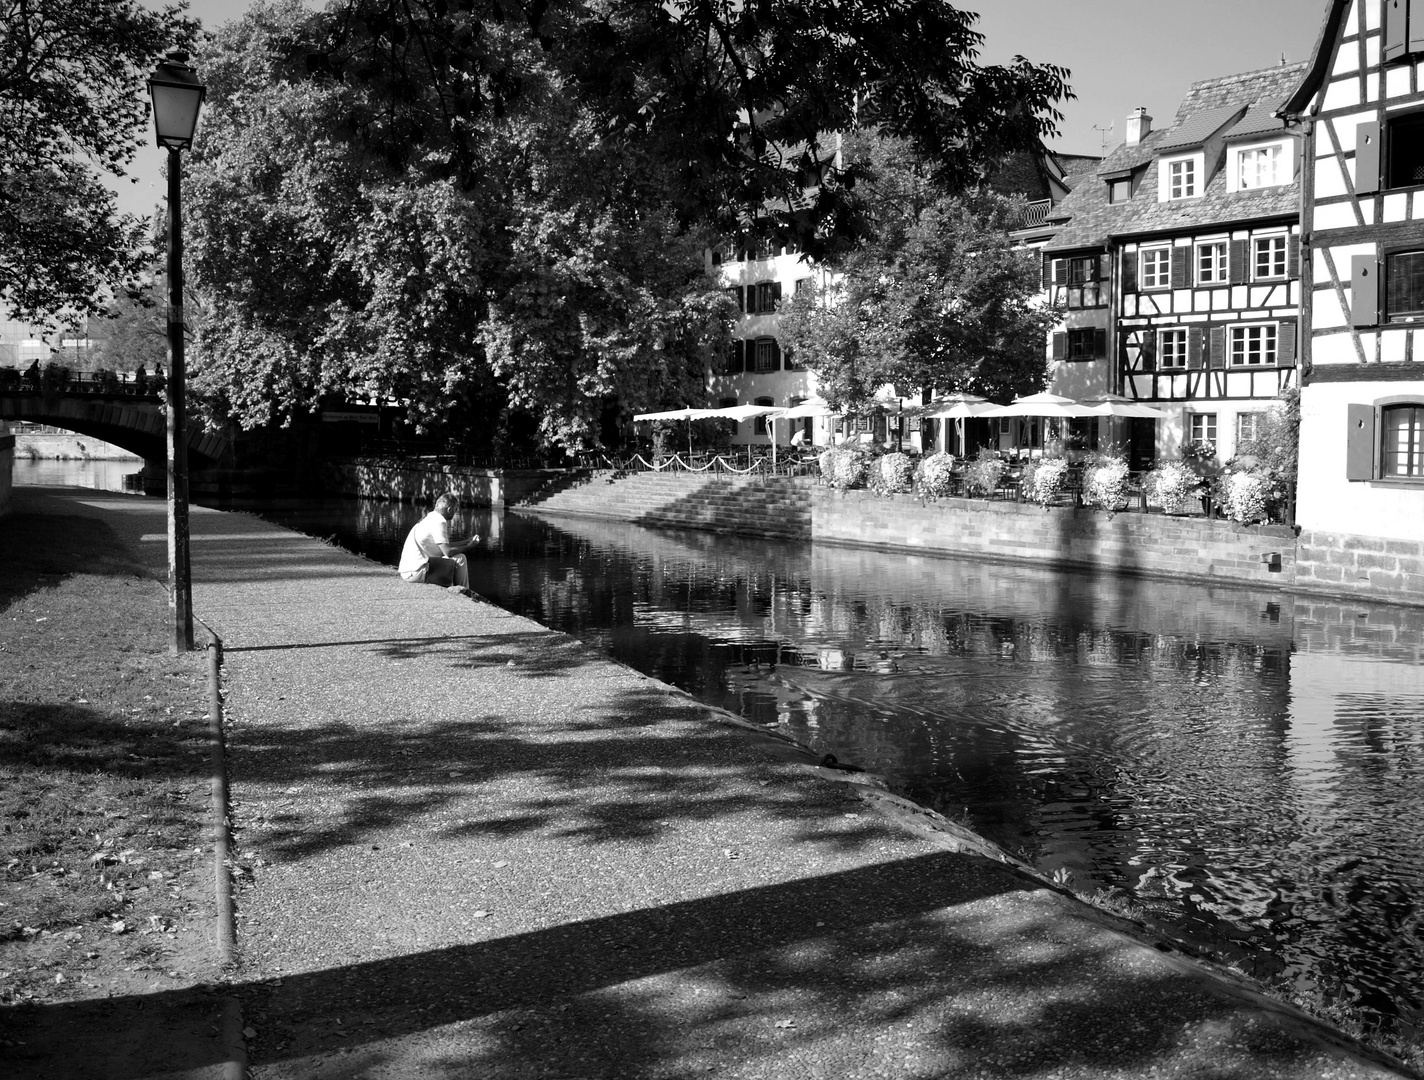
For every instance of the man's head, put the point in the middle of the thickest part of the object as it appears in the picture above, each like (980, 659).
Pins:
(446, 506)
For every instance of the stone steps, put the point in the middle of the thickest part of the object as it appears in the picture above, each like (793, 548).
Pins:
(758, 506)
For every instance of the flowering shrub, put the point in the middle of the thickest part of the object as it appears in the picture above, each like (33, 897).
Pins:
(1199, 450)
(1172, 485)
(1044, 480)
(893, 473)
(1105, 484)
(1247, 496)
(843, 468)
(935, 475)
(982, 475)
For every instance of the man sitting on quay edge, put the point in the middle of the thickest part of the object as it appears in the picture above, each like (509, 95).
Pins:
(430, 556)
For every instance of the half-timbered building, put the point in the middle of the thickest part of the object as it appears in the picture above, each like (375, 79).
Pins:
(1360, 105)
(1178, 270)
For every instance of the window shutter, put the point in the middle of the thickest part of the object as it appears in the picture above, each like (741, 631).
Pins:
(1367, 157)
(1360, 442)
(1129, 272)
(1396, 29)
(1416, 32)
(1100, 343)
(1194, 348)
(1285, 344)
(1216, 347)
(1181, 263)
(1364, 291)
(1104, 268)
(1293, 256)
(1240, 270)
(1147, 350)
(775, 355)
(776, 294)
(1059, 272)
(741, 298)
(1060, 345)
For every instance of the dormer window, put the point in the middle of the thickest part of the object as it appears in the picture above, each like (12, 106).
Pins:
(1182, 176)
(1120, 191)
(1258, 167)
(1181, 179)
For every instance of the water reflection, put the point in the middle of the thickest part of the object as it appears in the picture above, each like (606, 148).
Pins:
(1244, 764)
(96, 473)
(1241, 763)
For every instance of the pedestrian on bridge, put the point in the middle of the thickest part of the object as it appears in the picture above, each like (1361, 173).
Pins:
(430, 556)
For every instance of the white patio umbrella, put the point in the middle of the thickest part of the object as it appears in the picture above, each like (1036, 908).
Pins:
(1044, 404)
(956, 407)
(685, 413)
(1124, 407)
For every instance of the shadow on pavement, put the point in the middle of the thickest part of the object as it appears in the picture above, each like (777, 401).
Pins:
(912, 965)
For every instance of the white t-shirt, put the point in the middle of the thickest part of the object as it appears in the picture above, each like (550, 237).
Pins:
(423, 544)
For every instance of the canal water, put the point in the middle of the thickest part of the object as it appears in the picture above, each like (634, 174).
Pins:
(1247, 767)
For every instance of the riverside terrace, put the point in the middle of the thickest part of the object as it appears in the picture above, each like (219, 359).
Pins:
(478, 847)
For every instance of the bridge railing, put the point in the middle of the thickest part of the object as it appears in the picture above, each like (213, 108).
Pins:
(63, 381)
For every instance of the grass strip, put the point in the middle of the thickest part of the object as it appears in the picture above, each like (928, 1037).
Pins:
(103, 782)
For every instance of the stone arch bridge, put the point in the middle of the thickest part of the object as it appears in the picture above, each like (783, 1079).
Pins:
(128, 418)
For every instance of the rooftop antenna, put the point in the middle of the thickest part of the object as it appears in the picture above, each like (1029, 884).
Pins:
(1103, 146)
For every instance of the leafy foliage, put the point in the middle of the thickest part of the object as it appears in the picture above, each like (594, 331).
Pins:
(72, 104)
(936, 297)
(506, 305)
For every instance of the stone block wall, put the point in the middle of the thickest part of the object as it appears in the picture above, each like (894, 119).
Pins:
(1129, 543)
(1367, 566)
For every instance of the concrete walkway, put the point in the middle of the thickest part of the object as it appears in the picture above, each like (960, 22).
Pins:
(477, 849)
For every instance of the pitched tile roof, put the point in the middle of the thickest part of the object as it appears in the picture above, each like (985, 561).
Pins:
(1196, 128)
(1090, 220)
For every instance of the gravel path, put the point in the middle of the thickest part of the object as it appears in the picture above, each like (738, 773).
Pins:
(474, 848)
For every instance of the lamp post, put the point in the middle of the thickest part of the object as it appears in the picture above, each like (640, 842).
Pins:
(176, 95)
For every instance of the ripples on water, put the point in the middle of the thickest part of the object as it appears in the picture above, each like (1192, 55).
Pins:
(1246, 765)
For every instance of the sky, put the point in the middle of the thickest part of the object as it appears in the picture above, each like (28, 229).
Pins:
(1122, 54)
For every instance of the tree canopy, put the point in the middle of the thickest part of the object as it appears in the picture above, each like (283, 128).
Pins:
(937, 296)
(72, 105)
(495, 211)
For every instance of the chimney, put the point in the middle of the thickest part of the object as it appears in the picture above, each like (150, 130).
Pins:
(1139, 125)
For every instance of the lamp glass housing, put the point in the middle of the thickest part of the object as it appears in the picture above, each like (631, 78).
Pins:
(176, 94)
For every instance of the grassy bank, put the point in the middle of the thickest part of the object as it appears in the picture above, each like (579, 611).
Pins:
(103, 782)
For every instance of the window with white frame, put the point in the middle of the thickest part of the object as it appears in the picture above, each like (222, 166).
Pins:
(1182, 179)
(1268, 257)
(1260, 166)
(1155, 271)
(1402, 453)
(1248, 426)
(1211, 263)
(1172, 348)
(1254, 345)
(1202, 426)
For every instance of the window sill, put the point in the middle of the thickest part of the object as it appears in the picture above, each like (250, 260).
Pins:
(1398, 481)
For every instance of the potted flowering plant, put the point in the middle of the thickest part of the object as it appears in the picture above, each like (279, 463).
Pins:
(1173, 485)
(892, 474)
(1045, 479)
(935, 475)
(1105, 483)
(982, 475)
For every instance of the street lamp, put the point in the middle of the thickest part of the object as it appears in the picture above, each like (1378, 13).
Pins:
(176, 94)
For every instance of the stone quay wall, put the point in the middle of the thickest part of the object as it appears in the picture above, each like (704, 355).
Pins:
(1123, 543)
(799, 508)
(1370, 567)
